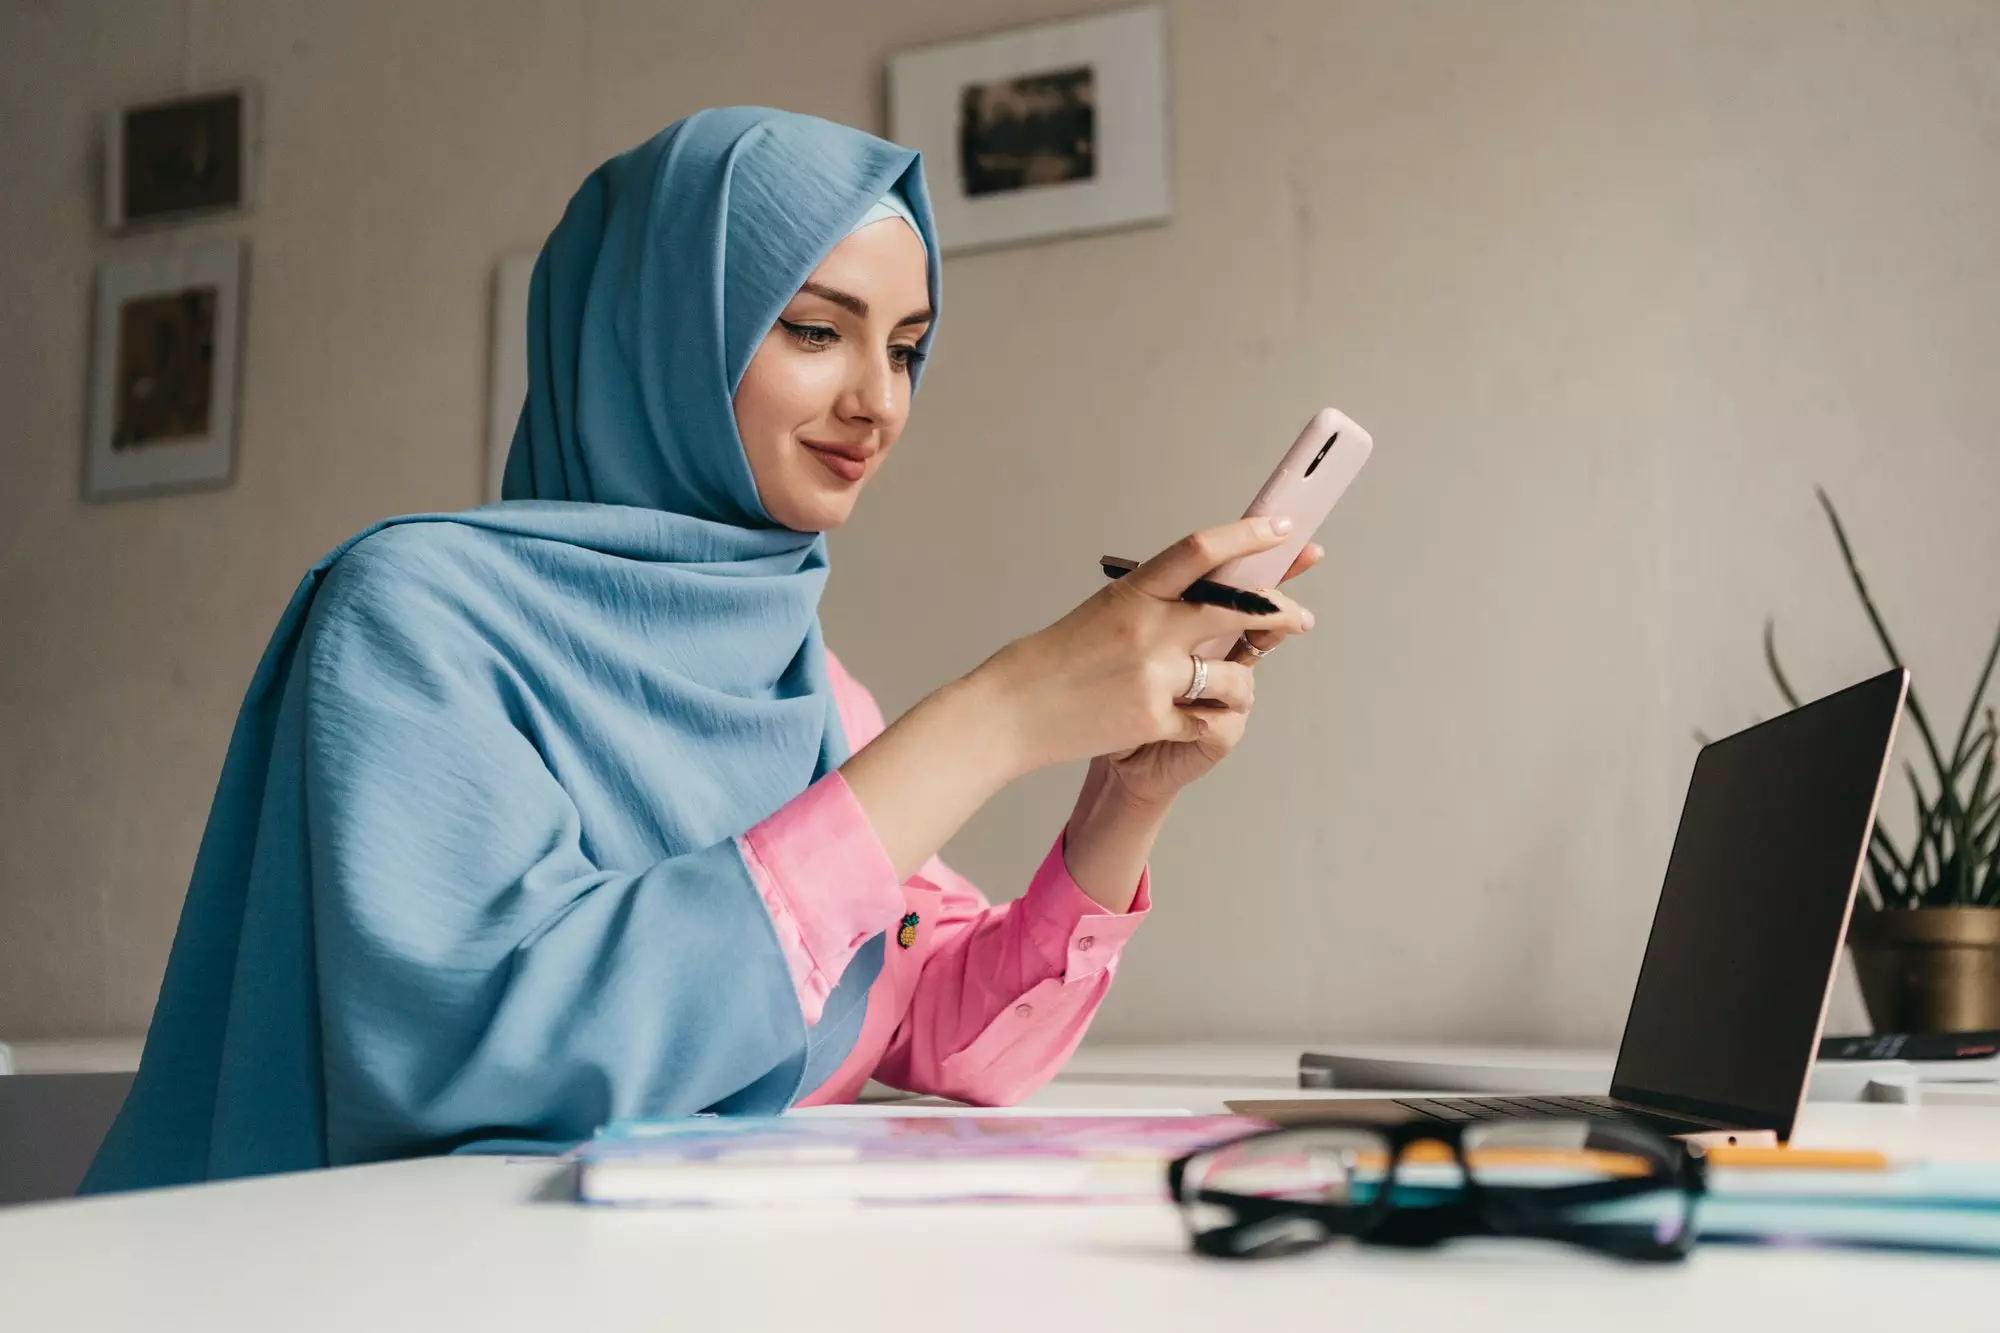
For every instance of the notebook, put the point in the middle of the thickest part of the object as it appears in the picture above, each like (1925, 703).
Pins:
(1940, 1207)
(744, 1161)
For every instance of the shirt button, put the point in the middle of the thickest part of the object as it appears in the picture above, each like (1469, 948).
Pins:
(1086, 942)
(1024, 1011)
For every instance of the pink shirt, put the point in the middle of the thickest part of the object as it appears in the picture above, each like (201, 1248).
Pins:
(974, 1002)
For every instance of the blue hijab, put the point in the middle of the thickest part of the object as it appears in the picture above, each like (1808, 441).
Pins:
(470, 873)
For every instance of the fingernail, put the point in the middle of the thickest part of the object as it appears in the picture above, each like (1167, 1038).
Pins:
(1279, 526)
(1306, 619)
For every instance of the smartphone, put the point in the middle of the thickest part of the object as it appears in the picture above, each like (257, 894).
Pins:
(1312, 476)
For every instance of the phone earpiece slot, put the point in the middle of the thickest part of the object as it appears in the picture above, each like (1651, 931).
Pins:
(1312, 466)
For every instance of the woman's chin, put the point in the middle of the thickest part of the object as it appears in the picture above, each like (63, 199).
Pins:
(822, 511)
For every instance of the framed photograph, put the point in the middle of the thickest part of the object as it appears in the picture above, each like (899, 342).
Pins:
(163, 371)
(506, 362)
(177, 159)
(1040, 131)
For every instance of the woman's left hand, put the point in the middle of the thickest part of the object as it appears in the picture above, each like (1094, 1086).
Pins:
(1154, 774)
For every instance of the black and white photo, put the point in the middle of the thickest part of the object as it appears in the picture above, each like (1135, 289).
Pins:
(1038, 129)
(179, 159)
(164, 370)
(1039, 132)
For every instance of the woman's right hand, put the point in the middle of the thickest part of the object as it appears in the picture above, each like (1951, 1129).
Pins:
(1108, 677)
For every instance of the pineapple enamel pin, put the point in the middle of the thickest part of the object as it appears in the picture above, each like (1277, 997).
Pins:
(908, 934)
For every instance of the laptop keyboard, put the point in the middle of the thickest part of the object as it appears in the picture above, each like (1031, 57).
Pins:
(1459, 1109)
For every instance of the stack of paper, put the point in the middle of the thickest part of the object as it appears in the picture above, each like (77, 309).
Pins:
(1934, 1206)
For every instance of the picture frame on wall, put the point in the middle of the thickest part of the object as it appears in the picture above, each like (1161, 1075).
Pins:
(180, 159)
(164, 370)
(1038, 132)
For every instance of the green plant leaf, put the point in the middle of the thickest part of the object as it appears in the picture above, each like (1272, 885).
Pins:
(1993, 725)
(1983, 834)
(1982, 796)
(1987, 823)
(1881, 844)
(1978, 696)
(1954, 842)
(1925, 860)
(1854, 575)
(1886, 878)
(1975, 856)
(1951, 867)
(1981, 802)
(1978, 798)
(1986, 839)
(1878, 883)
(1936, 876)
(1771, 660)
(1954, 855)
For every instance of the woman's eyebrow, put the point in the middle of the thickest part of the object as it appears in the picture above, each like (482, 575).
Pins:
(845, 300)
(850, 302)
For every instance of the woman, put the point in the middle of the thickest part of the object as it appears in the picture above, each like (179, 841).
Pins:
(557, 810)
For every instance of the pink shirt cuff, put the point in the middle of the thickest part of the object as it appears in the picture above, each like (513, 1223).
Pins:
(1037, 1022)
(1075, 934)
(827, 882)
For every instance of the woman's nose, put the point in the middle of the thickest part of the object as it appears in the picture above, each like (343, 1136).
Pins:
(872, 396)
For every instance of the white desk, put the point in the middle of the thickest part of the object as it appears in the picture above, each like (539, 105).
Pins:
(490, 1245)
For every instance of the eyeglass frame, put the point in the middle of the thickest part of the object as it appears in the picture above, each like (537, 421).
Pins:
(1468, 1213)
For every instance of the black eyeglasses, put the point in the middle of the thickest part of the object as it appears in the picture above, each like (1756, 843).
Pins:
(1614, 1187)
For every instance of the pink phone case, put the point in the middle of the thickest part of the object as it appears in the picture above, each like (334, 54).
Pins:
(1312, 476)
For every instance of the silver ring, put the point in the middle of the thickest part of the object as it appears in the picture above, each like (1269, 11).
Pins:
(1254, 650)
(1200, 681)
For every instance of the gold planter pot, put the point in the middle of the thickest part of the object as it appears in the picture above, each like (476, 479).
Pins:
(1928, 969)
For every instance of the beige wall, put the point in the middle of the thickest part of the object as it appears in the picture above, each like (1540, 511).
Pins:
(1612, 284)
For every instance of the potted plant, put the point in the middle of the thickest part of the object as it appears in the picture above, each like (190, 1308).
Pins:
(1926, 937)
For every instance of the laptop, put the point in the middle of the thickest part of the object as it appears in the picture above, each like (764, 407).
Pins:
(1732, 994)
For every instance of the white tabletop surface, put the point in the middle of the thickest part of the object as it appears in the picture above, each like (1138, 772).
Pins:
(493, 1245)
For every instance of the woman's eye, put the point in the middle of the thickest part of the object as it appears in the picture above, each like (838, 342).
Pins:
(904, 355)
(815, 336)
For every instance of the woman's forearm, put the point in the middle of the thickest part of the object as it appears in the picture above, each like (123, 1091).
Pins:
(1109, 838)
(929, 772)
(921, 779)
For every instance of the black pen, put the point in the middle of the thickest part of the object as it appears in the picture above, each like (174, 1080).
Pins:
(1201, 591)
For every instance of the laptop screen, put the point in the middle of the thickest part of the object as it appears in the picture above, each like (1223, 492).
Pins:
(1726, 1014)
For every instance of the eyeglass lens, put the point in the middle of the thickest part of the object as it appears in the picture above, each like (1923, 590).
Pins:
(1339, 1171)
(1594, 1183)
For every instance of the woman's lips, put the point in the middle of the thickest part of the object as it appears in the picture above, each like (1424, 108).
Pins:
(839, 464)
